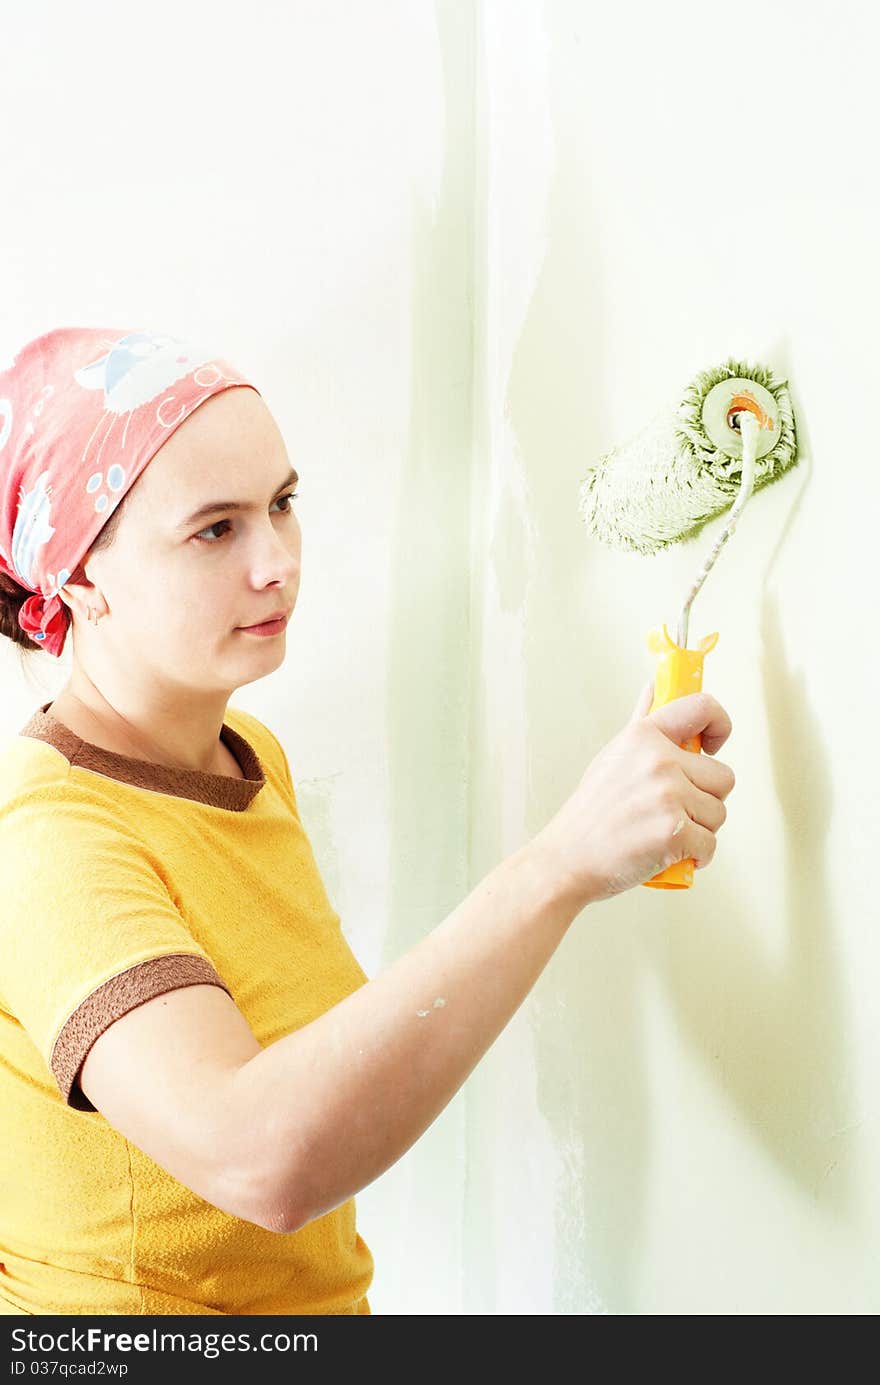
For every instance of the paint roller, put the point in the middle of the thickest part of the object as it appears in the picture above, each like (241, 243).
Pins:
(731, 433)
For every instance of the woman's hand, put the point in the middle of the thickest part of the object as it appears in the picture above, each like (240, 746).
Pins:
(643, 803)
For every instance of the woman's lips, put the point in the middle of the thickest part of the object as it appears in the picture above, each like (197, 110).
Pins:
(267, 627)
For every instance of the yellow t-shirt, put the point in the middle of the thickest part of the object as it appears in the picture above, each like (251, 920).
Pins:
(123, 879)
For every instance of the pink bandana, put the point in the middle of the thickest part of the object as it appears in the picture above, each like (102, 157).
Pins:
(82, 412)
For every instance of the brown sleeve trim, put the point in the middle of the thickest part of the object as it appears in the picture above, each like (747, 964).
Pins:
(110, 1002)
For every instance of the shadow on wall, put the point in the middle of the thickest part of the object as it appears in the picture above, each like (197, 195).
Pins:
(773, 1034)
(781, 1028)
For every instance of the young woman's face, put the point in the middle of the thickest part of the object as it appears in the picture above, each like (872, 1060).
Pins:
(180, 589)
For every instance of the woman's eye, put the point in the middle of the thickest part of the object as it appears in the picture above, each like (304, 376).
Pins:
(291, 495)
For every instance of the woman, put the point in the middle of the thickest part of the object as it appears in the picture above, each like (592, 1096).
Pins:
(196, 1075)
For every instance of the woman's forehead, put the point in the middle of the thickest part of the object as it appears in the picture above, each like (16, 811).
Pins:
(231, 440)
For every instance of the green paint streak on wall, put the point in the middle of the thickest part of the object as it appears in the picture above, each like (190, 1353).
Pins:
(429, 642)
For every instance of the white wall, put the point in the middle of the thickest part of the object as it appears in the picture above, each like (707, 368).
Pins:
(294, 183)
(466, 248)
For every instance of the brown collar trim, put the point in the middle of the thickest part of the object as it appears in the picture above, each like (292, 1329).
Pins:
(217, 789)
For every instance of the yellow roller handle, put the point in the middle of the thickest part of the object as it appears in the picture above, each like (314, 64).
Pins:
(679, 672)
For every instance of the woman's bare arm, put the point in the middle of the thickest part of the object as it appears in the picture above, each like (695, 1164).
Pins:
(282, 1134)
(339, 1101)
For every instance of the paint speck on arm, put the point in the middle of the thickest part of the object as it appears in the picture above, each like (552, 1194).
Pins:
(438, 1004)
(679, 827)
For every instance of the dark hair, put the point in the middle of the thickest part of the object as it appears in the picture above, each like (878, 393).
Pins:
(13, 596)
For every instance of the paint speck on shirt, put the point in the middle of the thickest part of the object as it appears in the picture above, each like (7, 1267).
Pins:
(439, 1002)
(422, 1013)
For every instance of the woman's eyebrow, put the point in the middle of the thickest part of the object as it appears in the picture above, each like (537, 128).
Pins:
(214, 505)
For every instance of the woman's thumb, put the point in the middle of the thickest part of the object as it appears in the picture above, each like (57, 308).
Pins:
(643, 706)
